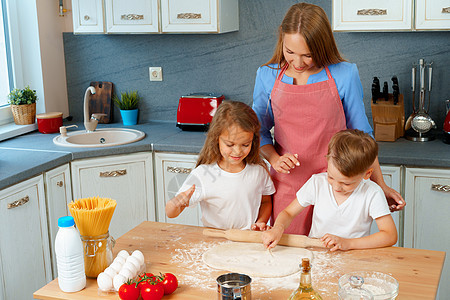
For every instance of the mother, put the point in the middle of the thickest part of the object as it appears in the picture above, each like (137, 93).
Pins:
(306, 93)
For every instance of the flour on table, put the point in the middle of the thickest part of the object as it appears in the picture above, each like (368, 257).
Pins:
(255, 260)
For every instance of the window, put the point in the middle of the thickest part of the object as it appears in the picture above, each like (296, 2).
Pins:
(5, 67)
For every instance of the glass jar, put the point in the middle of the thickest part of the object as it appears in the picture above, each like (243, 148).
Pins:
(97, 253)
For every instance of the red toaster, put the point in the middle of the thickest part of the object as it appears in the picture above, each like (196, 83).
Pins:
(196, 110)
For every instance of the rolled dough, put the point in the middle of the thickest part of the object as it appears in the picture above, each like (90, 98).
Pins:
(254, 260)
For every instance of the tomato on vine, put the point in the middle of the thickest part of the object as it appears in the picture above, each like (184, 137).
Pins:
(129, 291)
(170, 283)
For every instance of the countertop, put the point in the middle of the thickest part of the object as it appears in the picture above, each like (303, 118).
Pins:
(178, 249)
(31, 154)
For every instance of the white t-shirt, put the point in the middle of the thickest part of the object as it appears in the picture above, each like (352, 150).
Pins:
(351, 219)
(228, 200)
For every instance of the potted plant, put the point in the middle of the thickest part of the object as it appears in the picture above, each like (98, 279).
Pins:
(23, 105)
(128, 106)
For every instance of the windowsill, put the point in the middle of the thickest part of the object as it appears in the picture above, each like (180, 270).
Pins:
(12, 130)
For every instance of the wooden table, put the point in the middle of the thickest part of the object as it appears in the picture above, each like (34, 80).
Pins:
(178, 248)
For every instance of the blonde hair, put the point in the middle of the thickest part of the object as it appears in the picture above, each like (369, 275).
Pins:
(352, 151)
(312, 23)
(231, 113)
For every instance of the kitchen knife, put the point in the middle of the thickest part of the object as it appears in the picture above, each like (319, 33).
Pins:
(249, 236)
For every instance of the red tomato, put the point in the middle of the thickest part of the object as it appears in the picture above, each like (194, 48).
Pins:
(129, 291)
(152, 291)
(170, 283)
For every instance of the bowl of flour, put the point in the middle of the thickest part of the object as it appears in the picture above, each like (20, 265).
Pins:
(381, 286)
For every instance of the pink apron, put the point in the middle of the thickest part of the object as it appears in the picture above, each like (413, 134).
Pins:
(306, 117)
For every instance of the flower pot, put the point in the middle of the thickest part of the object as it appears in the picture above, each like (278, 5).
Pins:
(24, 114)
(129, 117)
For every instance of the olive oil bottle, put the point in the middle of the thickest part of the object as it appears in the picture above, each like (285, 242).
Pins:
(305, 289)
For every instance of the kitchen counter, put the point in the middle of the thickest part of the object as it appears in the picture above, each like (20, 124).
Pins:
(31, 154)
(178, 248)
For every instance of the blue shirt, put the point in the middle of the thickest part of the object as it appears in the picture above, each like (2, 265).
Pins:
(348, 84)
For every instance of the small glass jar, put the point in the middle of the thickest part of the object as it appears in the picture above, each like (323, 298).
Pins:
(97, 253)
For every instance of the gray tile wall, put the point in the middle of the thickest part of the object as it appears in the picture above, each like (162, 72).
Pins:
(226, 63)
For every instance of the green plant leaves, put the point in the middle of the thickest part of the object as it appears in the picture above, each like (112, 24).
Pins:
(22, 96)
(130, 100)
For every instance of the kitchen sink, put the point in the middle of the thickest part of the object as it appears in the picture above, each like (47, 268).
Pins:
(104, 137)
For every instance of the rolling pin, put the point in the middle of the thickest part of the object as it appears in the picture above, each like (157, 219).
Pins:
(249, 236)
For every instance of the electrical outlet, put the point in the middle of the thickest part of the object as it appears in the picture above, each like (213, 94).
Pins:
(155, 73)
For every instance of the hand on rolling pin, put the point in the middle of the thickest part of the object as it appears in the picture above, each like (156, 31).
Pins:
(335, 242)
(285, 163)
(270, 238)
(260, 226)
(178, 203)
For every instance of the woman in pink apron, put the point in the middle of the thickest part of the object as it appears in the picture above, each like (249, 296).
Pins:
(306, 93)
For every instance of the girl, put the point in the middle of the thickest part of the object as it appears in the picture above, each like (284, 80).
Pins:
(231, 180)
(307, 92)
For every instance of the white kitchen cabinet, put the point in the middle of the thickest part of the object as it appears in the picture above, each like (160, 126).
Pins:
(131, 16)
(171, 170)
(432, 15)
(128, 179)
(391, 15)
(369, 15)
(87, 16)
(58, 188)
(209, 16)
(427, 213)
(25, 264)
(145, 16)
(392, 177)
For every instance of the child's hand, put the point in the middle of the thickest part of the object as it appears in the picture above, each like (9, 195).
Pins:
(285, 163)
(335, 242)
(260, 226)
(270, 238)
(182, 199)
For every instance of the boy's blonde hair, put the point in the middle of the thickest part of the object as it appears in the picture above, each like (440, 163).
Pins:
(312, 23)
(231, 113)
(352, 151)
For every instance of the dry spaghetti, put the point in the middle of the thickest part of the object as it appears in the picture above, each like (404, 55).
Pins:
(92, 217)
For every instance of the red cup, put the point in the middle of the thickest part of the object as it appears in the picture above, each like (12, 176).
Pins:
(49, 122)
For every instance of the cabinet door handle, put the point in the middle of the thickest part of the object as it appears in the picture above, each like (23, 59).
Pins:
(132, 17)
(446, 10)
(440, 187)
(371, 12)
(115, 173)
(60, 183)
(19, 202)
(189, 16)
(179, 170)
(86, 17)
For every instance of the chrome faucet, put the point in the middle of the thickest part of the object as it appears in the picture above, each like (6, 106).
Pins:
(90, 124)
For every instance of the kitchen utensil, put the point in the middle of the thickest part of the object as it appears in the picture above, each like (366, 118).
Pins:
(101, 102)
(420, 121)
(380, 285)
(233, 286)
(354, 290)
(195, 111)
(237, 235)
(388, 119)
(49, 122)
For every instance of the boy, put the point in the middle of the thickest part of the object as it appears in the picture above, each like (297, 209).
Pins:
(345, 200)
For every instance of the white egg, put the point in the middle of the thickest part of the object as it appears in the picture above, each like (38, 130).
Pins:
(128, 265)
(116, 266)
(139, 255)
(126, 273)
(123, 253)
(118, 280)
(120, 259)
(111, 272)
(134, 261)
(104, 282)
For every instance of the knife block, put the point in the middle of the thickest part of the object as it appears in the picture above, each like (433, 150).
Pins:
(388, 119)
